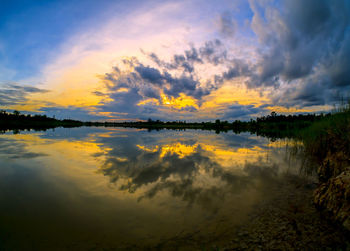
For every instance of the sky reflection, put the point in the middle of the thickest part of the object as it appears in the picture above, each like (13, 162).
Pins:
(132, 185)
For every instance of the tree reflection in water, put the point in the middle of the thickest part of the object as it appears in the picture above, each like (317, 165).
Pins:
(138, 188)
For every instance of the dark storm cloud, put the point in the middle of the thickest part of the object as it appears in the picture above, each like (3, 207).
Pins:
(189, 109)
(212, 52)
(315, 91)
(13, 94)
(187, 84)
(243, 112)
(305, 50)
(126, 89)
(150, 74)
(302, 59)
(227, 24)
(150, 92)
(124, 101)
(237, 68)
(192, 55)
(339, 69)
(149, 81)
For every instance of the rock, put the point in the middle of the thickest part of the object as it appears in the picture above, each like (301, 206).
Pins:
(333, 165)
(334, 197)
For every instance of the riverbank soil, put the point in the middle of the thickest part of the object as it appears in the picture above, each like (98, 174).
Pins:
(288, 220)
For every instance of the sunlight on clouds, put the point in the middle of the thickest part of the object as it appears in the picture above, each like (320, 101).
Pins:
(231, 92)
(107, 114)
(193, 61)
(149, 101)
(228, 157)
(72, 76)
(182, 101)
(179, 149)
(148, 149)
(222, 155)
(291, 110)
(122, 90)
(34, 103)
(75, 152)
(71, 160)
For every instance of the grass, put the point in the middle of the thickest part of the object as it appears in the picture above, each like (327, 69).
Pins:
(327, 143)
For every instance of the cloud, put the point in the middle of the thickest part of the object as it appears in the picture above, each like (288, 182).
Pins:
(169, 84)
(72, 112)
(151, 75)
(142, 91)
(14, 94)
(237, 68)
(170, 172)
(303, 51)
(227, 24)
(243, 112)
(301, 59)
(13, 149)
(150, 170)
(211, 52)
(294, 54)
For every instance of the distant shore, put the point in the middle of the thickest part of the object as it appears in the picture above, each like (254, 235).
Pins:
(271, 126)
(325, 139)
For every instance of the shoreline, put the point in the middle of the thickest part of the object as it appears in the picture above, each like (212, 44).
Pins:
(289, 220)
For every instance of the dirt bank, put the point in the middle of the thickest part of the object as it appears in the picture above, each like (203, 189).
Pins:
(288, 220)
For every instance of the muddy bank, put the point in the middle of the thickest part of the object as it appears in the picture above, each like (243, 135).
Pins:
(333, 197)
(327, 147)
(288, 220)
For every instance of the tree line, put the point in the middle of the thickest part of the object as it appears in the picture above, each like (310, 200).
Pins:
(273, 125)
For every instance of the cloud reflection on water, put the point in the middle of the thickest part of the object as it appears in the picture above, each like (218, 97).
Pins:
(191, 168)
(132, 184)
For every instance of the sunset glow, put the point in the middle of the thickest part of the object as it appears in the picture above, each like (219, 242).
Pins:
(136, 60)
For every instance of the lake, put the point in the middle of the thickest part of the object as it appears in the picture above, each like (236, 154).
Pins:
(94, 188)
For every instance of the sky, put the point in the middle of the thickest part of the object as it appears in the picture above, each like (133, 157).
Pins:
(192, 60)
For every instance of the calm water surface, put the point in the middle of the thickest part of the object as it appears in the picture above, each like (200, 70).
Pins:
(95, 188)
